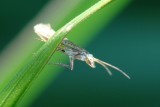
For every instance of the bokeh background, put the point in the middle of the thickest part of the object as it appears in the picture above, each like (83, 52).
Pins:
(128, 37)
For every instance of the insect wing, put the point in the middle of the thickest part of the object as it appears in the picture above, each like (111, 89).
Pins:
(44, 31)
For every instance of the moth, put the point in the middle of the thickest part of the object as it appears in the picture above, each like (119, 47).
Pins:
(45, 32)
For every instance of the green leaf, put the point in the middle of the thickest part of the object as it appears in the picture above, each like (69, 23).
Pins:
(16, 88)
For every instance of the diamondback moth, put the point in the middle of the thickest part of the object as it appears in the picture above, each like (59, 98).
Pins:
(45, 32)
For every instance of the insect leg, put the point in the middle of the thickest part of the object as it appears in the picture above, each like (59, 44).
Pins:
(71, 59)
(60, 64)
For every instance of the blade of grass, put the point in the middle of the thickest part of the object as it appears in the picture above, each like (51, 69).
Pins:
(48, 77)
(19, 84)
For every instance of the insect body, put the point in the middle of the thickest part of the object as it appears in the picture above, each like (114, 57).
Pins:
(44, 31)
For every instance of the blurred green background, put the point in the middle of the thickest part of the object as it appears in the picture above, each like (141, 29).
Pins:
(130, 41)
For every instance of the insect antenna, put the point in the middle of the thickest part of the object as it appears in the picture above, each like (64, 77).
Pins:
(107, 69)
(104, 64)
